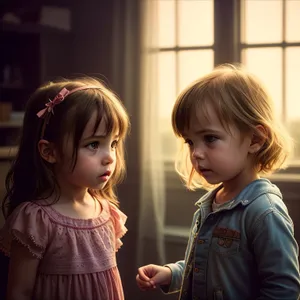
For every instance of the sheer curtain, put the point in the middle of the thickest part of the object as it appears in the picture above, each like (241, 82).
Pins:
(142, 195)
(151, 246)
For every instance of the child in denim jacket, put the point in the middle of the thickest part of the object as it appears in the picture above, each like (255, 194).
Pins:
(242, 244)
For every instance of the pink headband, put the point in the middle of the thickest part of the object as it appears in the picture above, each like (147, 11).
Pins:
(46, 112)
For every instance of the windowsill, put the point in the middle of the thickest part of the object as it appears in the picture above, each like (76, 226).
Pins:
(284, 177)
(291, 173)
(287, 179)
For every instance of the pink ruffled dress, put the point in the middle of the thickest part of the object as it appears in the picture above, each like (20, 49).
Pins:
(77, 256)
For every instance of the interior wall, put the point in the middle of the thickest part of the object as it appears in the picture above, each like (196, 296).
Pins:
(106, 44)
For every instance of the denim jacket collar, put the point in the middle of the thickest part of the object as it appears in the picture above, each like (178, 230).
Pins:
(251, 192)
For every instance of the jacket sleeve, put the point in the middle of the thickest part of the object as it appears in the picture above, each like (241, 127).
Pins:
(276, 253)
(177, 273)
(178, 268)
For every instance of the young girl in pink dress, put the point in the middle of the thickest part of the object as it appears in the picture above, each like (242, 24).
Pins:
(63, 224)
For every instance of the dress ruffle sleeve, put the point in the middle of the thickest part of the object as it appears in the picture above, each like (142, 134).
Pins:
(119, 220)
(29, 225)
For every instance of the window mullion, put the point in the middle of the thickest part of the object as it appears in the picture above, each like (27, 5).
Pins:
(284, 109)
(176, 45)
(225, 31)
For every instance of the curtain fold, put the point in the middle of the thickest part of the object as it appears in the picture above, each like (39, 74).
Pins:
(135, 78)
(126, 79)
(152, 192)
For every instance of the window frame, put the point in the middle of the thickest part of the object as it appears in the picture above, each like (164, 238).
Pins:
(283, 45)
(177, 49)
(228, 47)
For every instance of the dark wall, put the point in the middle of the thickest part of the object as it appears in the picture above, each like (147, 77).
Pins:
(92, 25)
(99, 49)
(95, 47)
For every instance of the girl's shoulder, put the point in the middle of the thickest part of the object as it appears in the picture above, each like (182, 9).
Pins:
(29, 212)
(29, 225)
(116, 214)
(118, 219)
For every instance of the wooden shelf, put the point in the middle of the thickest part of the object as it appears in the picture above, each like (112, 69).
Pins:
(11, 124)
(28, 28)
(8, 152)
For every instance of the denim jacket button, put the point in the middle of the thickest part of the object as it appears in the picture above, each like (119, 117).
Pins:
(201, 241)
(196, 270)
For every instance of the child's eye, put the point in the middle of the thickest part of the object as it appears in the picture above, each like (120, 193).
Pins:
(114, 144)
(210, 139)
(93, 145)
(189, 142)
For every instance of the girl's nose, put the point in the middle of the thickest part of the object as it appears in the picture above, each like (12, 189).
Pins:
(108, 158)
(198, 153)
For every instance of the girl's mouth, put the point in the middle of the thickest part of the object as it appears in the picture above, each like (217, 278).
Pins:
(105, 176)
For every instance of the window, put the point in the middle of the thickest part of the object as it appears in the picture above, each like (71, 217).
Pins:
(186, 51)
(196, 35)
(270, 48)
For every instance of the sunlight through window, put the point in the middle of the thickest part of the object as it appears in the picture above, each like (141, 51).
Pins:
(186, 38)
(262, 62)
(271, 50)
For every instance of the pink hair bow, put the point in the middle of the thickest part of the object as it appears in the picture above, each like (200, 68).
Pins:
(52, 103)
(46, 112)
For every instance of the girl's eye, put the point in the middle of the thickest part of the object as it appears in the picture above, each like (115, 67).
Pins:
(93, 145)
(189, 142)
(210, 138)
(114, 144)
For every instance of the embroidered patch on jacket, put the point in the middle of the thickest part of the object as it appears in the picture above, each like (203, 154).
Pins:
(226, 236)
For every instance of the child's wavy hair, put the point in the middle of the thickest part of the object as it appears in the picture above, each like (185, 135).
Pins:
(31, 177)
(239, 99)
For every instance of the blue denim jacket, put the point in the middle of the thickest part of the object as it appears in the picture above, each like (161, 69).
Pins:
(245, 251)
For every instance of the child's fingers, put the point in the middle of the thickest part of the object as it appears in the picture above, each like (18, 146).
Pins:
(142, 282)
(142, 274)
(143, 285)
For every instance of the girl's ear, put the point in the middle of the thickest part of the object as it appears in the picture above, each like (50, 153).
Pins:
(259, 137)
(47, 151)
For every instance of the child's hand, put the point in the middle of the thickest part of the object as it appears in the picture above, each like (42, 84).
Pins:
(151, 276)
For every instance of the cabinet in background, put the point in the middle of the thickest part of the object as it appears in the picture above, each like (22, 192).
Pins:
(31, 54)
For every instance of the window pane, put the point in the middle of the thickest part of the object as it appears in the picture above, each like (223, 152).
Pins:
(266, 63)
(292, 95)
(292, 83)
(194, 64)
(167, 83)
(167, 96)
(293, 21)
(195, 22)
(166, 23)
(262, 21)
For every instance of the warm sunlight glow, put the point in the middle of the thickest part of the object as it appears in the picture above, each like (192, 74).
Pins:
(278, 67)
(194, 27)
(262, 21)
(293, 21)
(182, 23)
(293, 83)
(166, 21)
(190, 23)
(196, 23)
(266, 63)
(167, 83)
(194, 64)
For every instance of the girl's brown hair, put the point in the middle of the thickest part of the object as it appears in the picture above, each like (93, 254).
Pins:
(30, 177)
(239, 99)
